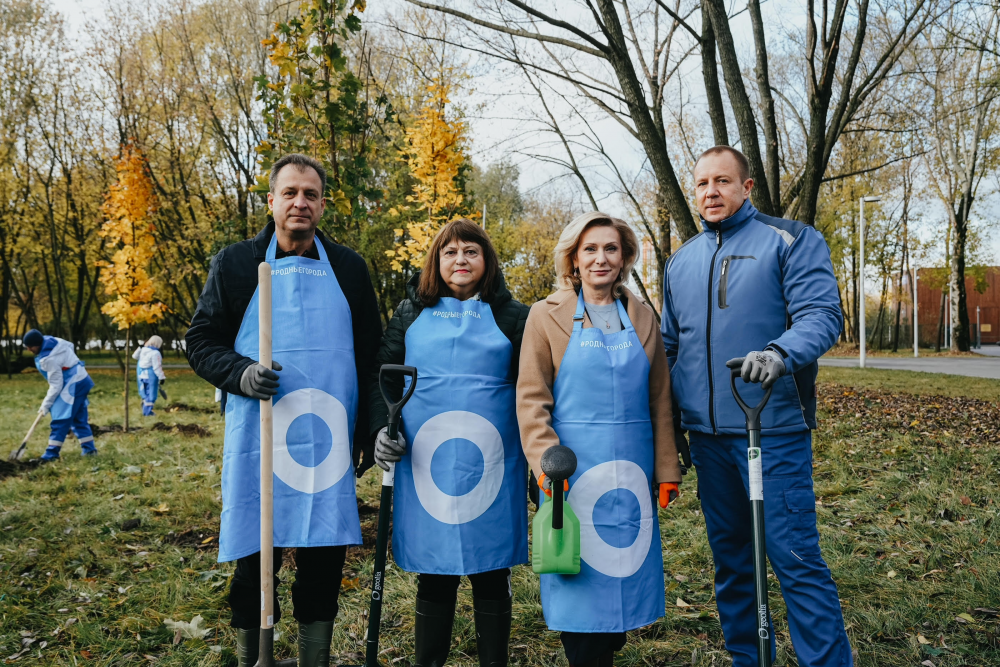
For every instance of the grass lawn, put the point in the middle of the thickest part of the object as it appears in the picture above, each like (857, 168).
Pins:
(97, 554)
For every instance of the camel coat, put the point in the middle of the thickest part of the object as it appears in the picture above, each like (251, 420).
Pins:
(546, 336)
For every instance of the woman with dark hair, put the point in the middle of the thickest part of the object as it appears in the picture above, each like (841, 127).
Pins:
(594, 377)
(460, 504)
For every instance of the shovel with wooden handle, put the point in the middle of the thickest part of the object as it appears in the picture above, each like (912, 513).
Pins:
(18, 453)
(266, 655)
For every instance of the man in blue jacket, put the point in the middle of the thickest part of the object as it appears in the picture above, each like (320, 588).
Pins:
(760, 288)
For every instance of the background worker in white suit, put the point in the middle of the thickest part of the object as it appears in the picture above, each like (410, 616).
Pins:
(149, 372)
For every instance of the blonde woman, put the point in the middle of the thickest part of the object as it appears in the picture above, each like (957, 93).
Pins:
(594, 377)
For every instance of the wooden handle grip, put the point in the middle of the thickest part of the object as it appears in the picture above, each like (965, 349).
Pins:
(266, 455)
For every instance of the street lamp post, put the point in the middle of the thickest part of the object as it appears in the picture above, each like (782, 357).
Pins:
(861, 288)
(916, 328)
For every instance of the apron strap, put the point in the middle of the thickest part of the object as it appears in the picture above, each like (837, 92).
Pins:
(272, 249)
(578, 316)
(626, 322)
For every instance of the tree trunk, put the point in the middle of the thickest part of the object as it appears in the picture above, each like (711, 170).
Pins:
(768, 120)
(128, 344)
(740, 102)
(652, 140)
(710, 73)
(959, 310)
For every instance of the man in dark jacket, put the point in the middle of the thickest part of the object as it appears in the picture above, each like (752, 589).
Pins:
(326, 333)
(756, 293)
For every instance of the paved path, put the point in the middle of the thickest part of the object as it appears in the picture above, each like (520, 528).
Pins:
(980, 368)
(989, 350)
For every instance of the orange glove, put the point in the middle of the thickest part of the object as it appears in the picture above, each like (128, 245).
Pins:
(547, 489)
(668, 491)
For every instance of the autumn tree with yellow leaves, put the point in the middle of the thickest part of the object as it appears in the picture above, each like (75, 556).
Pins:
(435, 155)
(128, 208)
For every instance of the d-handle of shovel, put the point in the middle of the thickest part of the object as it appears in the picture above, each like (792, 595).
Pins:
(558, 464)
(396, 408)
(752, 413)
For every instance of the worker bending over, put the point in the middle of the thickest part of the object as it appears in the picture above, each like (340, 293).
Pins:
(69, 384)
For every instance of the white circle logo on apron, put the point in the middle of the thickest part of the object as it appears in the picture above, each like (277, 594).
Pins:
(438, 430)
(338, 460)
(609, 560)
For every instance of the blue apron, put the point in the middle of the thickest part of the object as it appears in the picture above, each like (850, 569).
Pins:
(76, 384)
(314, 414)
(601, 412)
(460, 504)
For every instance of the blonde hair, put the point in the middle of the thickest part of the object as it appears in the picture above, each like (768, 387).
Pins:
(569, 243)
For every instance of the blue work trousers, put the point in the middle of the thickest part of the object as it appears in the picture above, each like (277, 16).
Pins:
(815, 620)
(149, 389)
(78, 421)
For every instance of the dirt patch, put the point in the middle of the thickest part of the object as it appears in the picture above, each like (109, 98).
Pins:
(199, 538)
(973, 421)
(10, 468)
(188, 430)
(184, 407)
(113, 428)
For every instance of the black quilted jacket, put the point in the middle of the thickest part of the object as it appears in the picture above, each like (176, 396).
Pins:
(510, 316)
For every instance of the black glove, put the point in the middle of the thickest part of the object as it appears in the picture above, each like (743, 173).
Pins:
(684, 450)
(259, 382)
(388, 450)
(764, 367)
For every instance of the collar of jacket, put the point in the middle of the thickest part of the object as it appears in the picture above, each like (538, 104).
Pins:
(263, 238)
(733, 222)
(499, 300)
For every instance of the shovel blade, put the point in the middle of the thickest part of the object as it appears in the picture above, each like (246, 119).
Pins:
(18, 454)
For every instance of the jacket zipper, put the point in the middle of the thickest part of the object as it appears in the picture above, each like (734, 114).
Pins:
(708, 334)
(724, 277)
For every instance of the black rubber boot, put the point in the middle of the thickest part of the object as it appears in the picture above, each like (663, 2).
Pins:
(607, 660)
(247, 647)
(432, 634)
(492, 631)
(314, 643)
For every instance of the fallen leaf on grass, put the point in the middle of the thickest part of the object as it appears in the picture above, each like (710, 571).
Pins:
(86, 654)
(923, 640)
(892, 573)
(680, 577)
(208, 539)
(682, 603)
(131, 470)
(350, 584)
(966, 501)
(119, 496)
(927, 574)
(928, 663)
(162, 509)
(965, 618)
(191, 630)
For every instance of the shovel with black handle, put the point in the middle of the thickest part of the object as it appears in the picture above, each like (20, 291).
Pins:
(385, 511)
(756, 475)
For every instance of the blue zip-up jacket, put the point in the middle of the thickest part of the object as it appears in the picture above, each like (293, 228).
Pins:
(748, 283)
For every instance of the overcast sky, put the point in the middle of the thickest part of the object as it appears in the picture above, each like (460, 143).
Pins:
(497, 130)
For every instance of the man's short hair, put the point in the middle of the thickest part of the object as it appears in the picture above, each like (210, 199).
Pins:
(300, 162)
(741, 159)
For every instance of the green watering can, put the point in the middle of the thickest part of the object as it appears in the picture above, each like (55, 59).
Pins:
(555, 528)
